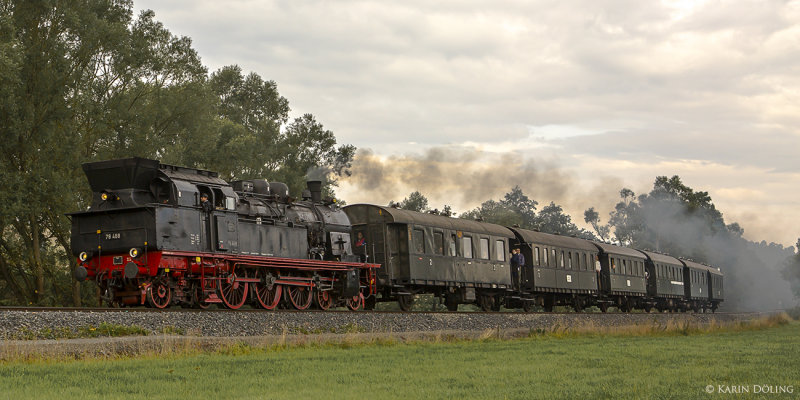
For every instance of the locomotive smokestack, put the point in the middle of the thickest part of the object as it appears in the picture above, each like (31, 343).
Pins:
(315, 187)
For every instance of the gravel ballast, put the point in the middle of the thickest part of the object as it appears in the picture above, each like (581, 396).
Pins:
(227, 324)
(215, 330)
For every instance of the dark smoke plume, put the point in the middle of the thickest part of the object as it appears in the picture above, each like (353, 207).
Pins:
(465, 177)
(753, 280)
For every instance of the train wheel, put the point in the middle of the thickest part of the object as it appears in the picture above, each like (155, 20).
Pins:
(299, 296)
(577, 304)
(451, 302)
(486, 302)
(496, 303)
(232, 292)
(603, 307)
(548, 304)
(199, 298)
(369, 302)
(159, 295)
(268, 293)
(356, 302)
(323, 299)
(405, 302)
(526, 306)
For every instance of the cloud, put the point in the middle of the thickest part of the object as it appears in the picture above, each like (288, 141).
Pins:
(696, 88)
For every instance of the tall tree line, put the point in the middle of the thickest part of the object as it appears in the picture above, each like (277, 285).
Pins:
(86, 80)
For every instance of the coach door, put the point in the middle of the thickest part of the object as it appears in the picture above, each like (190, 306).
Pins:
(397, 248)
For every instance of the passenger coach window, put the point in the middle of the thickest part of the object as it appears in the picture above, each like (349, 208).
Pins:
(544, 259)
(538, 260)
(554, 257)
(452, 245)
(438, 243)
(466, 247)
(419, 241)
(561, 261)
(500, 250)
(484, 248)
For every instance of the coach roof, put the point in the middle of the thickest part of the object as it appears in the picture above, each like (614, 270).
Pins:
(396, 215)
(662, 258)
(540, 238)
(702, 267)
(618, 250)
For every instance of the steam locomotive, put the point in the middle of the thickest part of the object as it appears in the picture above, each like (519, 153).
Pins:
(161, 235)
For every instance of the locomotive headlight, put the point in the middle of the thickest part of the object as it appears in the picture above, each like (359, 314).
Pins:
(107, 195)
(83, 256)
(134, 252)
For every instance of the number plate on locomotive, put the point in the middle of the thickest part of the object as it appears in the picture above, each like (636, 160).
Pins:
(112, 236)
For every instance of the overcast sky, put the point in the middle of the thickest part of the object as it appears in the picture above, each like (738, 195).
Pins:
(570, 100)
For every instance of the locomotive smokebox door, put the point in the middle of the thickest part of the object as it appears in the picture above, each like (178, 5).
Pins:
(350, 285)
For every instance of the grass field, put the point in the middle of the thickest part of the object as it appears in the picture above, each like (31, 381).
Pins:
(584, 366)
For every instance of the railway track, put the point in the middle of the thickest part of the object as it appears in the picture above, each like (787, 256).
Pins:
(345, 311)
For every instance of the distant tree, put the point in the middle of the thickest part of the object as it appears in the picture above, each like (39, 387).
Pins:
(447, 211)
(791, 270)
(624, 218)
(735, 229)
(415, 202)
(551, 219)
(592, 217)
(514, 209)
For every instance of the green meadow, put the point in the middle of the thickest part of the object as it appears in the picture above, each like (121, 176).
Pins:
(652, 365)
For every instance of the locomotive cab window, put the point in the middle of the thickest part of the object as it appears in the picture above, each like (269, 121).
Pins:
(219, 199)
(163, 191)
(466, 247)
(204, 190)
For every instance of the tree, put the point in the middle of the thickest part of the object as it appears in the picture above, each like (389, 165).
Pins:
(624, 218)
(515, 209)
(85, 80)
(592, 217)
(553, 220)
(253, 125)
(791, 270)
(415, 202)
